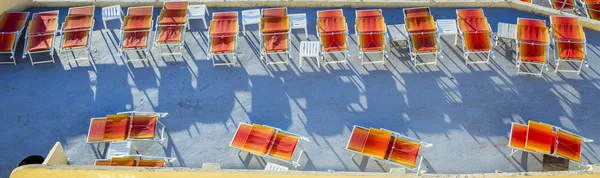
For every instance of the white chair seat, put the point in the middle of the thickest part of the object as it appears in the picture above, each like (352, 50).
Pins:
(198, 11)
(250, 17)
(448, 27)
(298, 21)
(309, 49)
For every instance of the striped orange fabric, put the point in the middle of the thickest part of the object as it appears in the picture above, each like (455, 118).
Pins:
(593, 8)
(45, 15)
(135, 40)
(377, 144)
(477, 41)
(151, 163)
(426, 42)
(332, 25)
(7, 41)
(405, 152)
(473, 25)
(566, 50)
(176, 5)
(259, 139)
(370, 25)
(420, 24)
(221, 27)
(14, 15)
(75, 39)
(330, 13)
(470, 13)
(39, 43)
(372, 42)
(368, 13)
(172, 17)
(274, 24)
(284, 146)
(170, 34)
(131, 23)
(124, 161)
(532, 53)
(9, 26)
(87, 10)
(78, 22)
(42, 26)
(518, 136)
(277, 42)
(563, 4)
(274, 12)
(569, 146)
(564, 20)
(222, 44)
(140, 11)
(225, 15)
(333, 42)
(531, 22)
(531, 34)
(239, 139)
(358, 139)
(540, 137)
(96, 132)
(143, 127)
(573, 33)
(116, 128)
(416, 12)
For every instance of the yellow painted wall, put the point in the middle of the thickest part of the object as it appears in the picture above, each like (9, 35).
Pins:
(14, 5)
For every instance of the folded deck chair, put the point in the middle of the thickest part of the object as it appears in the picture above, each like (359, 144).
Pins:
(76, 31)
(569, 42)
(223, 32)
(332, 32)
(532, 44)
(138, 126)
(591, 8)
(537, 137)
(135, 32)
(135, 161)
(563, 5)
(423, 34)
(170, 28)
(370, 30)
(268, 142)
(41, 32)
(476, 34)
(275, 34)
(11, 27)
(387, 146)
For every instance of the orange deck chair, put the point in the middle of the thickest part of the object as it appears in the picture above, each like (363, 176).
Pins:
(563, 5)
(332, 31)
(223, 31)
(423, 34)
(268, 142)
(370, 31)
(127, 126)
(41, 32)
(135, 161)
(388, 146)
(171, 26)
(537, 137)
(135, 32)
(532, 44)
(76, 31)
(569, 42)
(591, 8)
(275, 34)
(476, 34)
(11, 27)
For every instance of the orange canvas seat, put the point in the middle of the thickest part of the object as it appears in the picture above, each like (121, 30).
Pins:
(284, 146)
(332, 32)
(225, 15)
(426, 42)
(518, 136)
(372, 42)
(126, 126)
(14, 16)
(117, 161)
(532, 53)
(567, 32)
(172, 17)
(7, 41)
(477, 41)
(133, 161)
(75, 39)
(420, 24)
(151, 163)
(474, 25)
(77, 11)
(370, 30)
(358, 139)
(370, 25)
(143, 127)
(470, 13)
(332, 25)
(223, 31)
(96, 131)
(405, 152)
(175, 5)
(116, 127)
(258, 139)
(377, 143)
(566, 50)
(223, 27)
(140, 11)
(39, 43)
(45, 15)
(274, 12)
(563, 4)
(330, 13)
(222, 45)
(368, 13)
(135, 40)
(540, 137)
(592, 9)
(476, 34)
(277, 42)
(569, 145)
(42, 26)
(78, 22)
(170, 34)
(11, 25)
(131, 23)
(274, 24)
(334, 42)
(416, 12)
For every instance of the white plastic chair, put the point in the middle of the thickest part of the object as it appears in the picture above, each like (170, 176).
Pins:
(298, 21)
(250, 17)
(198, 11)
(112, 13)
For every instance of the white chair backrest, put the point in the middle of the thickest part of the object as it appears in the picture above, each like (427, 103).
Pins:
(112, 12)
(197, 11)
(251, 16)
(298, 20)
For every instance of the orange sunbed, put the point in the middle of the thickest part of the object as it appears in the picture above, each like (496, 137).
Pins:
(381, 144)
(370, 30)
(423, 37)
(563, 4)
(77, 30)
(171, 25)
(274, 27)
(135, 32)
(40, 35)
(532, 44)
(547, 139)
(592, 9)
(420, 24)
(332, 32)
(125, 126)
(569, 41)
(132, 23)
(223, 32)
(476, 34)
(175, 5)
(11, 27)
(267, 141)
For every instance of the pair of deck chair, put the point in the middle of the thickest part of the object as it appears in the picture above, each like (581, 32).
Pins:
(135, 32)
(569, 42)
(476, 32)
(532, 45)
(11, 27)
(40, 36)
(76, 31)
(591, 8)
(127, 126)
(537, 137)
(268, 142)
(387, 146)
(135, 161)
(223, 32)
(371, 32)
(423, 34)
(275, 34)
(171, 26)
(332, 32)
